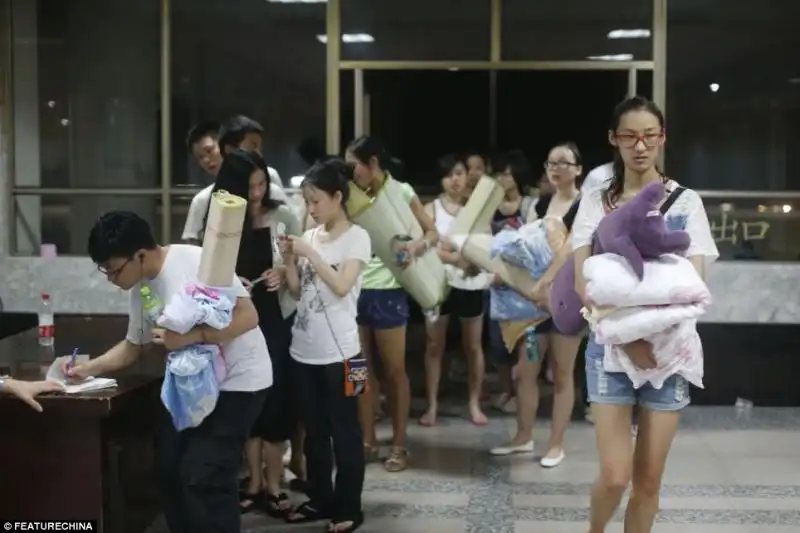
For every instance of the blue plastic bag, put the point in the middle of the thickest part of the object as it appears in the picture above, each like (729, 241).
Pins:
(190, 389)
(191, 381)
(527, 248)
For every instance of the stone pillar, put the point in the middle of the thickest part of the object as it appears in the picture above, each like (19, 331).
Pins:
(114, 102)
(5, 129)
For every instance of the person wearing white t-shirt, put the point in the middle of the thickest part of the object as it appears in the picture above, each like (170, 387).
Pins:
(198, 466)
(466, 300)
(324, 270)
(207, 143)
(597, 177)
(637, 136)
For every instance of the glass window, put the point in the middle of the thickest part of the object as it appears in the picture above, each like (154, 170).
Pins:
(415, 30)
(761, 227)
(451, 116)
(562, 110)
(85, 81)
(259, 59)
(733, 94)
(69, 233)
(575, 30)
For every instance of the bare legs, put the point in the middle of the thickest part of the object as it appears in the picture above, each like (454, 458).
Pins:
(471, 333)
(615, 449)
(391, 345)
(527, 393)
(255, 468)
(563, 350)
(653, 441)
(472, 339)
(436, 334)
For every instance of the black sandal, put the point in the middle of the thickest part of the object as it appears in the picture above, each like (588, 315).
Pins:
(355, 523)
(274, 508)
(250, 502)
(308, 513)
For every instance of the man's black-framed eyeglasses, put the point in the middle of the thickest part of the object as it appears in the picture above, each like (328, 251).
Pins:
(114, 272)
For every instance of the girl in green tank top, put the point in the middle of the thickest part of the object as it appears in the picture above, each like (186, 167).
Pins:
(383, 306)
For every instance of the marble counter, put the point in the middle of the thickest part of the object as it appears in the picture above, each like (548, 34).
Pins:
(744, 291)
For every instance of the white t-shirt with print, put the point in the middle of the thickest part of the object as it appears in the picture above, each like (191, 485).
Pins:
(325, 329)
(246, 357)
(686, 213)
(199, 206)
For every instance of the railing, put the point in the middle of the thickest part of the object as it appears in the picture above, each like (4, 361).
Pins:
(746, 225)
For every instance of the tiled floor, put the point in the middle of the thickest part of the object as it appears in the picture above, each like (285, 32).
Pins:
(726, 474)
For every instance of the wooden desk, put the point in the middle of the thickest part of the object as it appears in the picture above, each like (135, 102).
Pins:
(86, 457)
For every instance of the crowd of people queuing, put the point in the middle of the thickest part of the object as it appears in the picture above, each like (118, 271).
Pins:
(319, 305)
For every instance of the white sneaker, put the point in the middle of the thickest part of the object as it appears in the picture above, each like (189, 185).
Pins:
(552, 462)
(512, 450)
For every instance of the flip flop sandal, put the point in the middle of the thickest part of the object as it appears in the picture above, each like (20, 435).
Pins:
(397, 461)
(355, 523)
(277, 505)
(250, 502)
(308, 513)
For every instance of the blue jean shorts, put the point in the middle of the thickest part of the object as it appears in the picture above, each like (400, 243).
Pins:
(616, 388)
(382, 308)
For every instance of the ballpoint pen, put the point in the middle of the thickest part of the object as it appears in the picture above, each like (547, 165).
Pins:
(72, 359)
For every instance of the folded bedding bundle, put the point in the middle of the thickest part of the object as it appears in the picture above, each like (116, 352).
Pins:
(661, 308)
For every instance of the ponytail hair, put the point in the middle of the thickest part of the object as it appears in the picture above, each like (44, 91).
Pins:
(330, 174)
(365, 148)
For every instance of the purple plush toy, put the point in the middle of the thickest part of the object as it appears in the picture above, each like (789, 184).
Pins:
(637, 231)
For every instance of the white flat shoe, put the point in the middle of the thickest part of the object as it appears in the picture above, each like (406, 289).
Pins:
(552, 462)
(512, 450)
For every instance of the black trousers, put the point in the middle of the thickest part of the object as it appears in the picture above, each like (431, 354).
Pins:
(328, 414)
(198, 467)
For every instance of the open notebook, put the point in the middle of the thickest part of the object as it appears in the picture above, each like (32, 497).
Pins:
(90, 384)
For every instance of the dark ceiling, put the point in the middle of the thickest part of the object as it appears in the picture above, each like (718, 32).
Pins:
(745, 44)
(706, 38)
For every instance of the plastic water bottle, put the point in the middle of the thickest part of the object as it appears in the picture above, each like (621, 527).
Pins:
(47, 329)
(398, 245)
(150, 305)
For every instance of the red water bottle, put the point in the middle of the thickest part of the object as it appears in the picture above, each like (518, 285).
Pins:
(47, 329)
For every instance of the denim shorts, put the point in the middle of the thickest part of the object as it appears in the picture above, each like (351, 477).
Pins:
(615, 388)
(382, 308)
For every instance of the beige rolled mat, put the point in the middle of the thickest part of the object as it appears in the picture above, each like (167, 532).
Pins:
(476, 215)
(222, 238)
(387, 216)
(476, 249)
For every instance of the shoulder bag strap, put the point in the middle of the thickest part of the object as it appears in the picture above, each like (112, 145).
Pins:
(673, 196)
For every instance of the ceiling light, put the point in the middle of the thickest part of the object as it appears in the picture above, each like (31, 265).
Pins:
(453, 69)
(297, 1)
(714, 87)
(612, 57)
(794, 81)
(350, 38)
(629, 34)
(786, 208)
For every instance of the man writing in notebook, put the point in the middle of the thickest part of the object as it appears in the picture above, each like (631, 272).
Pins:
(198, 466)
